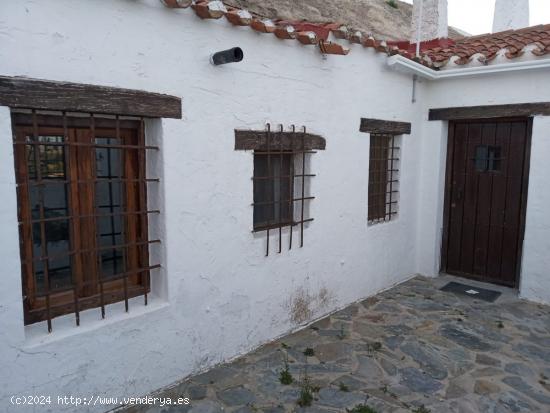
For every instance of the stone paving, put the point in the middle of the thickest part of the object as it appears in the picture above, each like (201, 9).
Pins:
(410, 349)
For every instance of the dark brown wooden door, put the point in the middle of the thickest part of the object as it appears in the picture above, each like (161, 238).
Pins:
(486, 193)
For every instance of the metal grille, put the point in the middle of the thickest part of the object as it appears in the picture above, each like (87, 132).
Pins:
(281, 166)
(83, 217)
(383, 178)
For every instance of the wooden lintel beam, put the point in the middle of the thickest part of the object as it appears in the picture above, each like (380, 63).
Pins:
(19, 92)
(388, 127)
(491, 111)
(257, 140)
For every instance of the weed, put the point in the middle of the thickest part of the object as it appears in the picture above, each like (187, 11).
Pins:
(343, 387)
(384, 389)
(342, 333)
(306, 396)
(500, 324)
(392, 3)
(285, 346)
(309, 352)
(285, 377)
(373, 347)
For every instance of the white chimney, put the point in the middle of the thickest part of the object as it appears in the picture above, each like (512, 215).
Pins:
(510, 14)
(434, 21)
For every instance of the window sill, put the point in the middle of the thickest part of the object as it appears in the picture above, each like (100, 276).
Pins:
(90, 320)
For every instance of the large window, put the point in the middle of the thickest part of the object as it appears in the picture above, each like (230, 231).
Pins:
(82, 212)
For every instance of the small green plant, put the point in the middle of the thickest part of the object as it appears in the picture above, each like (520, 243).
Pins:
(392, 3)
(306, 396)
(384, 388)
(374, 347)
(343, 387)
(285, 377)
(285, 346)
(421, 409)
(341, 333)
(500, 324)
(362, 408)
(309, 352)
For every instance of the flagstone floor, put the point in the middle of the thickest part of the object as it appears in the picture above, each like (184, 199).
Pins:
(409, 349)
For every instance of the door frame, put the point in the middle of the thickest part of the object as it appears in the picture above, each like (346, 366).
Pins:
(524, 192)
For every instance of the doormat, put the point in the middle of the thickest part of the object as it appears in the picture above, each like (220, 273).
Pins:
(470, 291)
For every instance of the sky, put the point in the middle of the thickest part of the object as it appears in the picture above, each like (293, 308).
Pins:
(476, 16)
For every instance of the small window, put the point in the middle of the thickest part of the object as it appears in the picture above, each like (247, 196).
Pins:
(273, 191)
(281, 181)
(487, 158)
(383, 178)
(83, 214)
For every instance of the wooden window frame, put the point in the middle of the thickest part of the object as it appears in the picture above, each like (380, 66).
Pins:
(88, 289)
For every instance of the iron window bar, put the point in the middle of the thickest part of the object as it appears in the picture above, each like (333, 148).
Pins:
(33, 122)
(383, 178)
(297, 150)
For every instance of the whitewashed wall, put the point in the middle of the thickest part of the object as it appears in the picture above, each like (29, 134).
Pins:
(218, 295)
(523, 87)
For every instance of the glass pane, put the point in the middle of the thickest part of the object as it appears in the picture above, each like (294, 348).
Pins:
(481, 158)
(272, 190)
(109, 201)
(112, 263)
(51, 154)
(494, 159)
(53, 197)
(56, 244)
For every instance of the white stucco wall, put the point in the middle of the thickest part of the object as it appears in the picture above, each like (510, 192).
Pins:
(218, 295)
(535, 270)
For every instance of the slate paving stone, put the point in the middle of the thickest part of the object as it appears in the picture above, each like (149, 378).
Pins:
(368, 368)
(519, 369)
(426, 357)
(518, 384)
(418, 381)
(335, 398)
(464, 338)
(236, 396)
(207, 406)
(487, 360)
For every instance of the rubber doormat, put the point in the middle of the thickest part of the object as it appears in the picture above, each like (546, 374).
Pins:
(470, 291)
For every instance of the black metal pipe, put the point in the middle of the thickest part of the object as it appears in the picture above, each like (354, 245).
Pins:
(227, 56)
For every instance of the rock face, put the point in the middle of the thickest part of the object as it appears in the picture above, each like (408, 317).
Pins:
(371, 16)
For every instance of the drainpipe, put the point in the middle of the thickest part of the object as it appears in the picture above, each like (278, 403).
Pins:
(403, 64)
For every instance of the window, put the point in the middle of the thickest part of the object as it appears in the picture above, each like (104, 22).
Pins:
(273, 188)
(383, 178)
(280, 179)
(83, 215)
(487, 158)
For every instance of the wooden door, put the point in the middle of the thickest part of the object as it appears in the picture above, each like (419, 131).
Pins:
(485, 199)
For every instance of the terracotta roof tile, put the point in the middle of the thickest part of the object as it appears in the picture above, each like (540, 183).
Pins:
(511, 42)
(435, 54)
